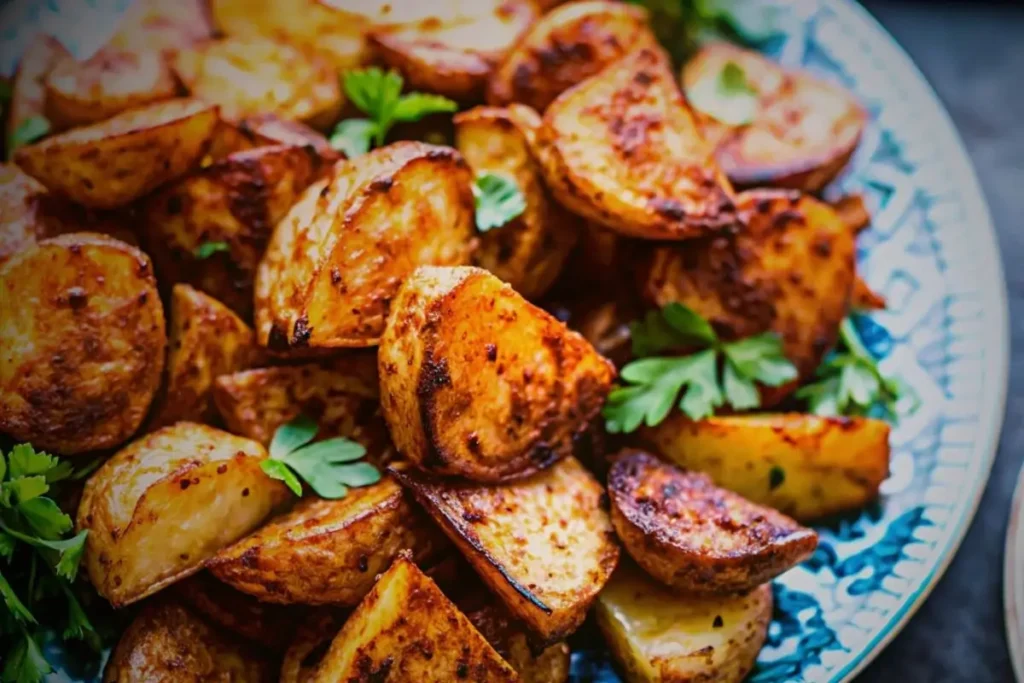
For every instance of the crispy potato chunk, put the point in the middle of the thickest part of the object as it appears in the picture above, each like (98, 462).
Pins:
(28, 93)
(804, 465)
(407, 630)
(478, 382)
(565, 47)
(659, 636)
(84, 339)
(167, 502)
(168, 644)
(695, 537)
(529, 252)
(249, 76)
(335, 262)
(308, 648)
(623, 150)
(165, 26)
(803, 132)
(112, 163)
(544, 545)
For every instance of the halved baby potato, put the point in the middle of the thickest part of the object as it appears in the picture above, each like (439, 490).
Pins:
(335, 262)
(803, 131)
(164, 26)
(480, 383)
(695, 537)
(308, 647)
(83, 343)
(28, 92)
(622, 149)
(544, 545)
(114, 162)
(164, 504)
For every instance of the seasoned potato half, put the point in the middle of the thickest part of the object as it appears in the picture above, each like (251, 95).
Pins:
(544, 545)
(407, 630)
(249, 76)
(183, 477)
(695, 537)
(28, 92)
(328, 552)
(25, 222)
(205, 340)
(165, 26)
(622, 149)
(802, 133)
(804, 465)
(112, 163)
(335, 262)
(309, 646)
(84, 339)
(659, 636)
(478, 382)
(565, 47)
(168, 644)
(529, 252)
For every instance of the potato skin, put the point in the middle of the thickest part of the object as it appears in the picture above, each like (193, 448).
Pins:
(186, 476)
(827, 465)
(85, 337)
(622, 149)
(544, 545)
(695, 537)
(28, 94)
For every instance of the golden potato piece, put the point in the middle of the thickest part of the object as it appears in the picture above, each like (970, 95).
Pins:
(306, 651)
(802, 134)
(166, 503)
(168, 644)
(336, 260)
(84, 339)
(804, 465)
(478, 382)
(623, 150)
(165, 26)
(529, 252)
(544, 545)
(565, 47)
(407, 630)
(695, 537)
(28, 93)
(658, 636)
(112, 163)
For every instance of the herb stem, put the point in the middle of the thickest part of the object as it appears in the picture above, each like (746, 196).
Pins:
(849, 336)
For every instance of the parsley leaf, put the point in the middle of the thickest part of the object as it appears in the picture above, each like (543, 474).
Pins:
(725, 96)
(498, 200)
(25, 662)
(208, 249)
(27, 132)
(14, 603)
(354, 137)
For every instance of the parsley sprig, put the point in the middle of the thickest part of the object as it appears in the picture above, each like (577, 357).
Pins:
(499, 200)
(207, 249)
(28, 131)
(327, 466)
(726, 96)
(723, 373)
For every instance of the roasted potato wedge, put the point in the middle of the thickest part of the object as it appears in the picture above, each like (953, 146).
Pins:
(165, 26)
(336, 260)
(25, 221)
(309, 646)
(529, 252)
(168, 644)
(183, 477)
(28, 92)
(544, 545)
(565, 47)
(695, 537)
(112, 163)
(84, 340)
(804, 465)
(623, 150)
(407, 630)
(802, 134)
(658, 636)
(328, 552)
(478, 382)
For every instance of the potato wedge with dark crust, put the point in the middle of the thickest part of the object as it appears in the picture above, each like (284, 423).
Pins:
(478, 382)
(658, 636)
(695, 537)
(336, 260)
(307, 649)
(167, 643)
(804, 465)
(565, 47)
(28, 92)
(183, 477)
(804, 130)
(112, 163)
(328, 552)
(544, 545)
(528, 252)
(165, 26)
(622, 149)
(407, 630)
(84, 340)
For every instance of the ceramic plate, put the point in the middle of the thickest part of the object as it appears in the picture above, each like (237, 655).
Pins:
(1013, 580)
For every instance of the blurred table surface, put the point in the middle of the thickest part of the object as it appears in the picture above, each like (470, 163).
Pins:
(972, 52)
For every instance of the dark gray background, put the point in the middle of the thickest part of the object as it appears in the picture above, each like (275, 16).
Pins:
(973, 54)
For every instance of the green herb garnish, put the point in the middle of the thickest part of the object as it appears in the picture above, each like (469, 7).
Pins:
(27, 132)
(498, 201)
(208, 249)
